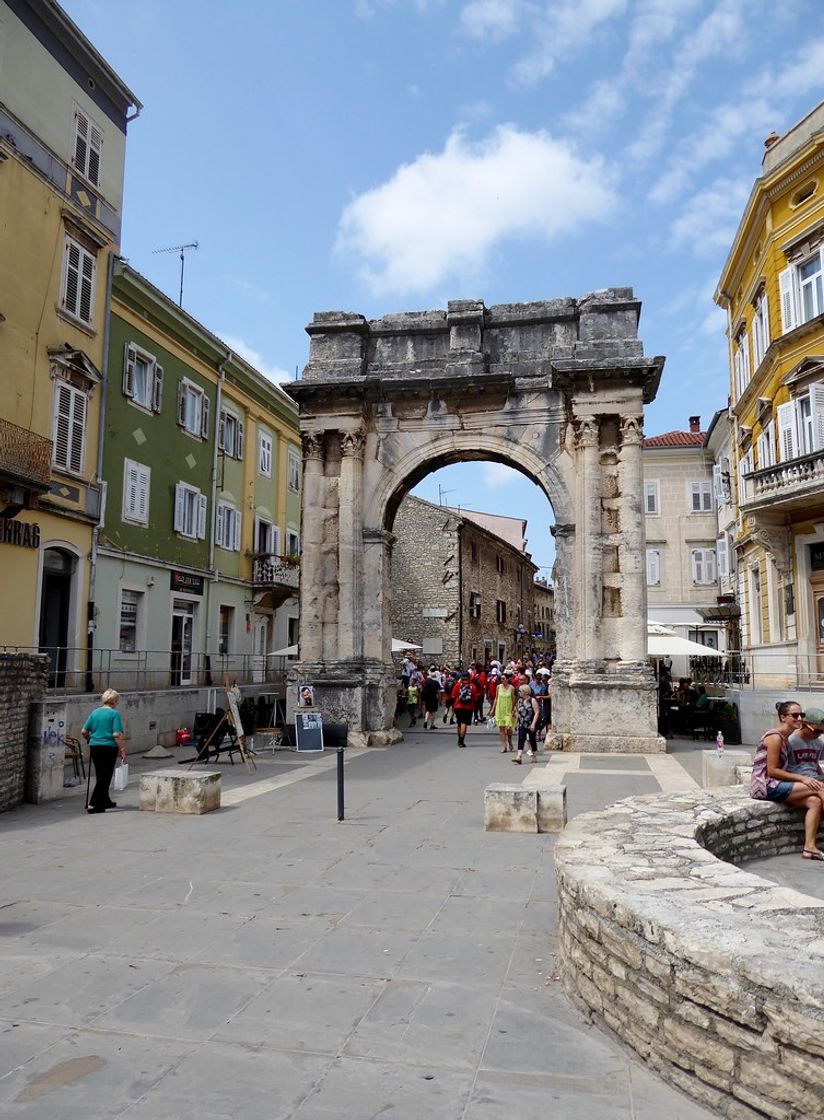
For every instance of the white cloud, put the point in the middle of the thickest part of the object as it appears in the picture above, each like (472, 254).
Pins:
(562, 29)
(440, 217)
(496, 475)
(256, 359)
(604, 103)
(491, 19)
(708, 221)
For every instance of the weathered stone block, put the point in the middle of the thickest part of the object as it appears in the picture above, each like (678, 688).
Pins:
(170, 791)
(552, 812)
(718, 768)
(510, 808)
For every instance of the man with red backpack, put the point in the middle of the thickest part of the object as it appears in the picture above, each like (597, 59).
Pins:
(464, 699)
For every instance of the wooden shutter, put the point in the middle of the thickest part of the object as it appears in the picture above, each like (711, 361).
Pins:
(239, 444)
(786, 294)
(221, 431)
(157, 389)
(62, 425)
(130, 491)
(181, 403)
(81, 141)
(144, 475)
(817, 412)
(180, 507)
(95, 154)
(236, 530)
(128, 369)
(722, 552)
(71, 284)
(220, 519)
(86, 301)
(787, 436)
(204, 415)
(653, 567)
(77, 431)
(201, 516)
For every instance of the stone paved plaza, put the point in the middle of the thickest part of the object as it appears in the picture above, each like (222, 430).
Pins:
(266, 961)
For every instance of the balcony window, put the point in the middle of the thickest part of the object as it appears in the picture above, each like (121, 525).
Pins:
(801, 288)
(801, 424)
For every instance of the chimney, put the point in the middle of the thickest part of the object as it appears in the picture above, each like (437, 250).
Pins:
(695, 423)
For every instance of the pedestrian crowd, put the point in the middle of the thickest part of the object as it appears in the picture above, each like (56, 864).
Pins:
(515, 698)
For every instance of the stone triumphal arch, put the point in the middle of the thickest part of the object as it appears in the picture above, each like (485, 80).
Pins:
(555, 388)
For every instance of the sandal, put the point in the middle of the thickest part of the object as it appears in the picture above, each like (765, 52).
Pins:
(806, 853)
(517, 761)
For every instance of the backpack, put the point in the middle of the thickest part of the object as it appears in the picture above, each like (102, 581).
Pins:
(465, 695)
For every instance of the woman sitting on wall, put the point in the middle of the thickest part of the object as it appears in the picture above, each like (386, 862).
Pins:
(773, 780)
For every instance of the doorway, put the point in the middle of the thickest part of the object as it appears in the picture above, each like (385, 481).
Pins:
(817, 584)
(55, 600)
(261, 648)
(183, 618)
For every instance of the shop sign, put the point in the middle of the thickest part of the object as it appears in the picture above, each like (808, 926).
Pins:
(19, 532)
(817, 557)
(185, 581)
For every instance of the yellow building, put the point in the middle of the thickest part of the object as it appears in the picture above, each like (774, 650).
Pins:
(63, 119)
(771, 287)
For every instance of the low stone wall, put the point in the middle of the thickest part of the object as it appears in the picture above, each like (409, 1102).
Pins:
(22, 681)
(713, 975)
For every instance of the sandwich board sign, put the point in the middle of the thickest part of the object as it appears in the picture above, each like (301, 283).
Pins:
(308, 732)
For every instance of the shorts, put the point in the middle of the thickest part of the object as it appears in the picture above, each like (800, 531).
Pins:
(780, 792)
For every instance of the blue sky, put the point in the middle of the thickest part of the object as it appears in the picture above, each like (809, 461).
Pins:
(390, 155)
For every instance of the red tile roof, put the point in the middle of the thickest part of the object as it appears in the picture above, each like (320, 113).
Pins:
(675, 439)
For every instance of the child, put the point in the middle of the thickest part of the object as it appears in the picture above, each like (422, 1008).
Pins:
(412, 701)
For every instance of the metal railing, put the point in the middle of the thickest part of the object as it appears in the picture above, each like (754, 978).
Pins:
(148, 670)
(767, 669)
(269, 568)
(25, 455)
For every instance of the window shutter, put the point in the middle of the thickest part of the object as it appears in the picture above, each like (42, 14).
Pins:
(95, 154)
(653, 567)
(144, 475)
(787, 439)
(72, 281)
(765, 320)
(63, 405)
(817, 408)
(204, 416)
(81, 145)
(786, 293)
(128, 370)
(157, 389)
(695, 493)
(709, 564)
(717, 484)
(697, 565)
(239, 446)
(275, 541)
(221, 431)
(201, 516)
(78, 427)
(236, 531)
(722, 552)
(84, 311)
(220, 517)
(181, 403)
(180, 508)
(130, 495)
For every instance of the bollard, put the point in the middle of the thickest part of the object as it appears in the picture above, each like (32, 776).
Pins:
(340, 783)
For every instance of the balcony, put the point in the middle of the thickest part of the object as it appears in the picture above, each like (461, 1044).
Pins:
(786, 484)
(273, 572)
(25, 458)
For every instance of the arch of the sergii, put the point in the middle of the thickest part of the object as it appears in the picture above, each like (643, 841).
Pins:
(556, 388)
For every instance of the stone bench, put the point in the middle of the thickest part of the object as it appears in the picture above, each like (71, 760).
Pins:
(714, 975)
(170, 791)
(511, 807)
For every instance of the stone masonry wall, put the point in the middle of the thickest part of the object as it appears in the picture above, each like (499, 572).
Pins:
(22, 681)
(712, 974)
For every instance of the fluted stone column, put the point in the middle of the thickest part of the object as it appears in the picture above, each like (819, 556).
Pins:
(311, 591)
(632, 552)
(590, 577)
(350, 544)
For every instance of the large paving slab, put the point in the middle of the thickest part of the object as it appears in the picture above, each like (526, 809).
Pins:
(267, 962)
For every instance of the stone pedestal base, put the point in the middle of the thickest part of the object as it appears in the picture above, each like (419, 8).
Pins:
(720, 769)
(170, 791)
(361, 694)
(604, 709)
(509, 807)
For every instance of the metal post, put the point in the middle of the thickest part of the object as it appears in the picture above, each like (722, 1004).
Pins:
(340, 783)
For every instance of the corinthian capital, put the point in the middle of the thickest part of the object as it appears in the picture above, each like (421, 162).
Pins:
(632, 430)
(352, 443)
(586, 432)
(312, 444)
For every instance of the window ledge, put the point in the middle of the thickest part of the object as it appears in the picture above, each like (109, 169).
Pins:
(80, 324)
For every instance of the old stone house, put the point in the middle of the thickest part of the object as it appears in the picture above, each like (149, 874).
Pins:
(462, 583)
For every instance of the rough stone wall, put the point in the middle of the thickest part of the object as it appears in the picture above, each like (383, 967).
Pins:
(712, 974)
(22, 681)
(512, 586)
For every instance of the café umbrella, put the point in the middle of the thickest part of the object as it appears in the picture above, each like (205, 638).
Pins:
(663, 642)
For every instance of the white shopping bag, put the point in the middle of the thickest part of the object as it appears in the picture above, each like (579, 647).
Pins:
(121, 777)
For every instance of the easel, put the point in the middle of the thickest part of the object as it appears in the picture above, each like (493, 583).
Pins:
(229, 723)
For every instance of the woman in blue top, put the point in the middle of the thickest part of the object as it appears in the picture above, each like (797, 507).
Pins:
(103, 731)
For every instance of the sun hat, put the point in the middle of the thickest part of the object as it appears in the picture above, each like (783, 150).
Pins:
(543, 670)
(814, 717)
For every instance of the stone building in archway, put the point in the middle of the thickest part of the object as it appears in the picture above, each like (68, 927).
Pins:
(555, 389)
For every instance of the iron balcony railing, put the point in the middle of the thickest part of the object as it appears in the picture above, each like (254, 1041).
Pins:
(25, 456)
(784, 481)
(761, 667)
(149, 670)
(269, 569)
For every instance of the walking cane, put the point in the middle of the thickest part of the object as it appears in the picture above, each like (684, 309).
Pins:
(88, 779)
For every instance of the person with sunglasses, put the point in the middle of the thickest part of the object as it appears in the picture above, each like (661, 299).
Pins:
(773, 780)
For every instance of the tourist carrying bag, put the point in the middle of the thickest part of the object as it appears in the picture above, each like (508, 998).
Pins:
(121, 777)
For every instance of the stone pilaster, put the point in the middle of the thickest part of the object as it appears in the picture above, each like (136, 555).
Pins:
(631, 552)
(350, 546)
(311, 591)
(377, 594)
(588, 553)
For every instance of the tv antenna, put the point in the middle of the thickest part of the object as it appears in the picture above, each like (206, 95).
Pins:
(182, 250)
(441, 493)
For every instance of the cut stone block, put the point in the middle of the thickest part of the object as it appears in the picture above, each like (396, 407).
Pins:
(552, 813)
(719, 769)
(169, 791)
(510, 808)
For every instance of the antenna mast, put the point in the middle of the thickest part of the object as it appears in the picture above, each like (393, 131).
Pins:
(182, 250)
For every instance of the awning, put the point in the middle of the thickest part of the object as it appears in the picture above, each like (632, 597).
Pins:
(672, 645)
(721, 613)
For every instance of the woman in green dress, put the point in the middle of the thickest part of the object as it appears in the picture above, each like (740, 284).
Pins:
(503, 711)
